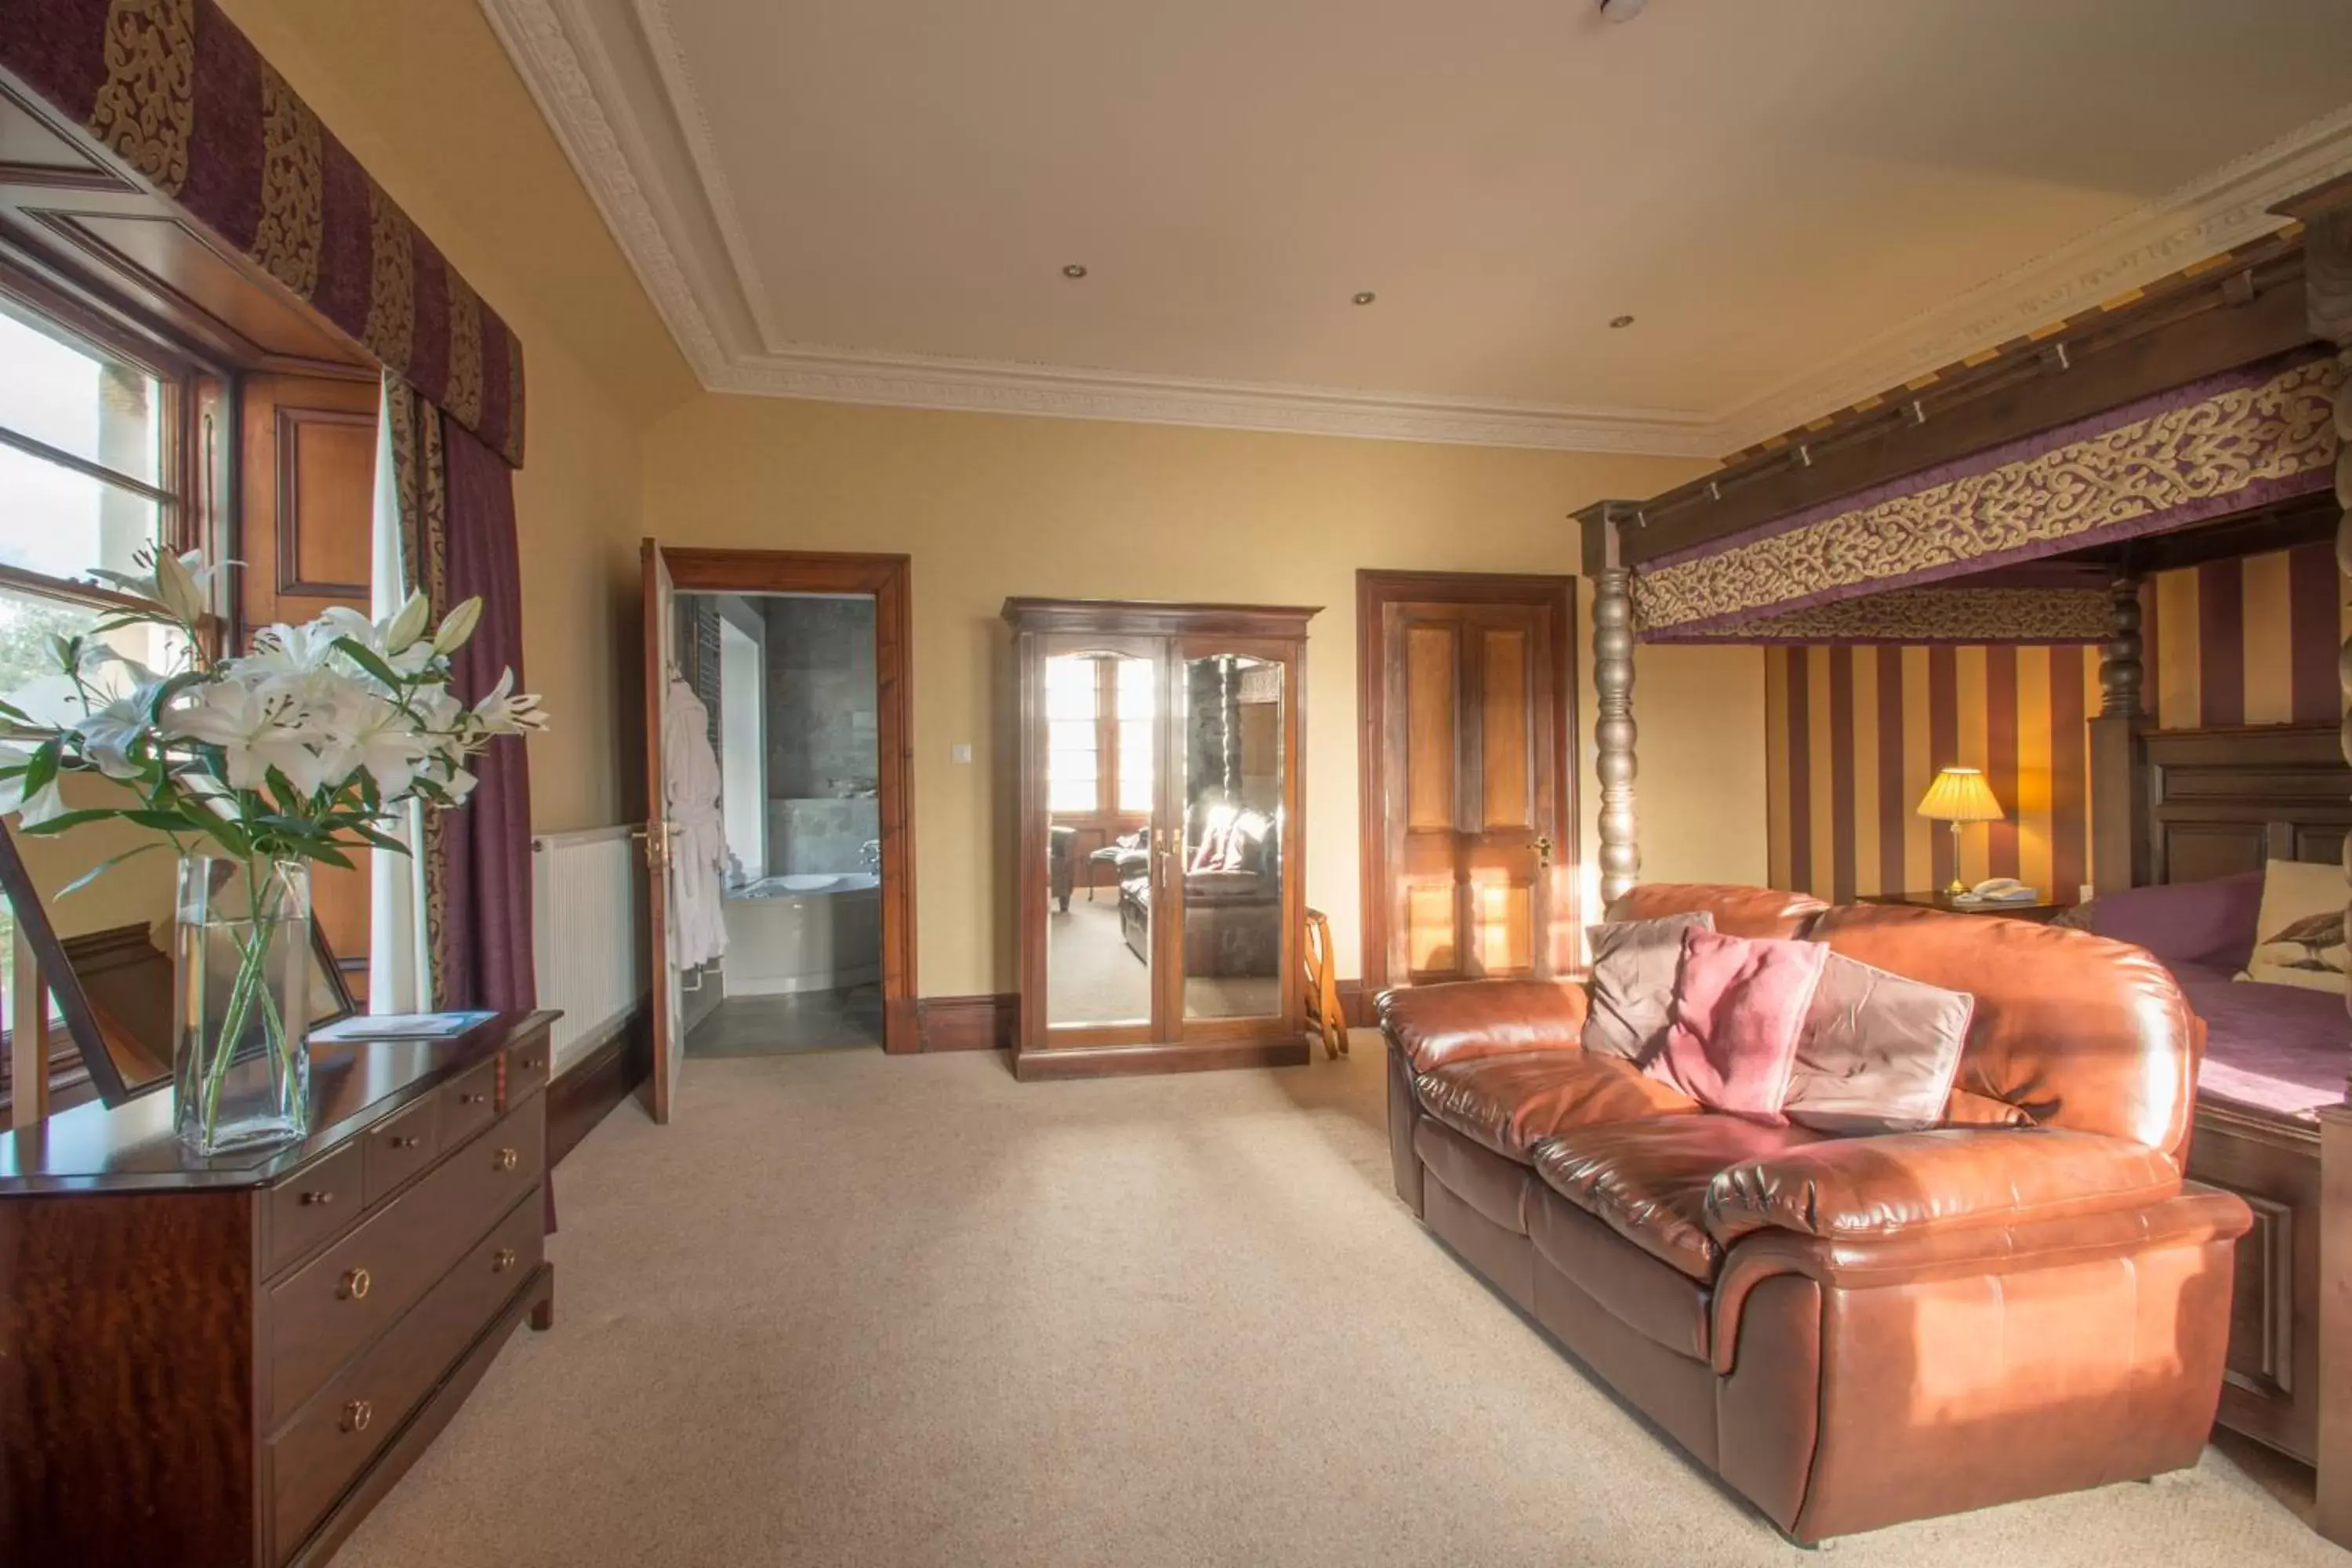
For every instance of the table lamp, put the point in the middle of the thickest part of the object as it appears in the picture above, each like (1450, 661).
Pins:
(1959, 797)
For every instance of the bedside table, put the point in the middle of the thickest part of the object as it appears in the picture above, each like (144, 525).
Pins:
(2040, 913)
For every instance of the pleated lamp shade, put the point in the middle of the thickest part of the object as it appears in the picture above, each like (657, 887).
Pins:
(1960, 794)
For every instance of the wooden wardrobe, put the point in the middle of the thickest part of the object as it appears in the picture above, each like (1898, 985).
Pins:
(1162, 847)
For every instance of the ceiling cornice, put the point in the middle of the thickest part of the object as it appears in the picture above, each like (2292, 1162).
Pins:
(561, 61)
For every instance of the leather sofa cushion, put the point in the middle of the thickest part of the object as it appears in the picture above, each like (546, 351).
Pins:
(1648, 1179)
(1737, 911)
(1512, 1103)
(1433, 1025)
(1496, 1187)
(2079, 1031)
(1660, 1304)
(1947, 1177)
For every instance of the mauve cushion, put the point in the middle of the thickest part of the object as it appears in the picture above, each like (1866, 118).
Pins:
(1739, 1006)
(2185, 922)
(1634, 966)
(1878, 1052)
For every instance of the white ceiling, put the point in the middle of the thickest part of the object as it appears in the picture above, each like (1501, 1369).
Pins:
(1800, 202)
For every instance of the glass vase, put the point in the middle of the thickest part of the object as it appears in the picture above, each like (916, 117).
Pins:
(241, 966)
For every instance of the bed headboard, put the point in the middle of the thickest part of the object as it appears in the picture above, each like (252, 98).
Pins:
(2222, 801)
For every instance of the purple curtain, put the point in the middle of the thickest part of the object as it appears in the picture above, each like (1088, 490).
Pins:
(482, 939)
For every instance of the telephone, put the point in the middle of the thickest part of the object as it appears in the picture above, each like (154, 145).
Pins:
(1997, 890)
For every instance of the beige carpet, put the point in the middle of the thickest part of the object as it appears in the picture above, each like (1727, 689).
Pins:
(852, 1310)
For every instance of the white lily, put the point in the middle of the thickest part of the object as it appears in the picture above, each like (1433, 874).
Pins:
(257, 727)
(407, 624)
(109, 734)
(456, 626)
(409, 659)
(372, 736)
(506, 712)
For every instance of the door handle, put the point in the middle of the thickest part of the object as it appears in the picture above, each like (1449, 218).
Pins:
(655, 837)
(1543, 850)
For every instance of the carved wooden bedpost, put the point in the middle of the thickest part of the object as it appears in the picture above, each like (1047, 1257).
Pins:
(2326, 214)
(1612, 683)
(2119, 796)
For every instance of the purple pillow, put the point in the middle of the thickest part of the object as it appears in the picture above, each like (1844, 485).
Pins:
(2185, 922)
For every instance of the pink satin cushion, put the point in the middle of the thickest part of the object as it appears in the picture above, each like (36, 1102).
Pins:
(1738, 1010)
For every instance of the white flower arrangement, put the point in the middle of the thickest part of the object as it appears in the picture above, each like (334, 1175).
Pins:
(300, 750)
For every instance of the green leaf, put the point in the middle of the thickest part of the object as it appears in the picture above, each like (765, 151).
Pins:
(70, 819)
(112, 860)
(359, 654)
(332, 855)
(41, 769)
(380, 839)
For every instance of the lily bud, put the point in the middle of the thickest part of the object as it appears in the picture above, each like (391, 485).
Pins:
(409, 625)
(176, 589)
(457, 625)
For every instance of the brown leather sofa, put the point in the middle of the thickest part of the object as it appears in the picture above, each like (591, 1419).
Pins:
(1852, 1331)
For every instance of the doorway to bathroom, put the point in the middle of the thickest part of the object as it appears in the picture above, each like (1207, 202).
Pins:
(784, 914)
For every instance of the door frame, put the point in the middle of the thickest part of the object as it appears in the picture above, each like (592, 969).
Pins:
(887, 580)
(1375, 592)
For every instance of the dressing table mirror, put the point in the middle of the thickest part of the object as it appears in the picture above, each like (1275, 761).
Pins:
(104, 949)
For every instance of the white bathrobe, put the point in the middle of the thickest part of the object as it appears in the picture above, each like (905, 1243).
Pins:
(697, 839)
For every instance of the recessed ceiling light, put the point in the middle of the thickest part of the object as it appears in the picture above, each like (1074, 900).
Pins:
(1615, 321)
(1366, 298)
(1074, 270)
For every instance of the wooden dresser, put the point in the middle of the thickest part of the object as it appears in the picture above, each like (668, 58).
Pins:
(223, 1363)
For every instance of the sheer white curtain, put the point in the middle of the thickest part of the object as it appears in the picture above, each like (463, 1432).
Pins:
(400, 958)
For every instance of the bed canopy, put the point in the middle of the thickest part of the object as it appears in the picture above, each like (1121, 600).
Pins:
(2017, 497)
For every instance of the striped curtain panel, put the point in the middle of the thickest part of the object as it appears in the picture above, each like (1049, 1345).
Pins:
(1856, 734)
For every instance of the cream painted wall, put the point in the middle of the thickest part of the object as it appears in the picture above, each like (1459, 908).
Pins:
(991, 505)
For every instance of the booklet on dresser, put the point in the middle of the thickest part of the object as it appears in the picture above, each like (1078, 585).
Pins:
(397, 1027)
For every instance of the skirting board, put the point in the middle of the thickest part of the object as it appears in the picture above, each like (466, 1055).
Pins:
(991, 1023)
(584, 1093)
(969, 1022)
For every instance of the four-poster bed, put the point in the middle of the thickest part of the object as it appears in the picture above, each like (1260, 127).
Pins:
(2021, 498)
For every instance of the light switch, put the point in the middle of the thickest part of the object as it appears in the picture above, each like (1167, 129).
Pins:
(960, 751)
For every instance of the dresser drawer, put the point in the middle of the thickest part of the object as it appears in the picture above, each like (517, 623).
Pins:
(325, 1445)
(315, 1202)
(400, 1146)
(350, 1293)
(470, 1104)
(528, 1065)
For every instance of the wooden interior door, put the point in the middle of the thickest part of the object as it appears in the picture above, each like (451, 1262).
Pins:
(661, 923)
(307, 473)
(1472, 876)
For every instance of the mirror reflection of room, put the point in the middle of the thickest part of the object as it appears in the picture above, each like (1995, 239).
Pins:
(1232, 840)
(1100, 710)
(773, 773)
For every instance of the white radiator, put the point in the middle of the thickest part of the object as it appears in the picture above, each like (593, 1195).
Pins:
(588, 903)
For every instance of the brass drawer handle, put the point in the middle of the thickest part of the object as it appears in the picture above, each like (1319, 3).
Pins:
(472, 1099)
(531, 1064)
(357, 1283)
(357, 1414)
(320, 1199)
(502, 1260)
(409, 1141)
(509, 1159)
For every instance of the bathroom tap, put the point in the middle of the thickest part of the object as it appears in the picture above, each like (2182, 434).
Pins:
(870, 852)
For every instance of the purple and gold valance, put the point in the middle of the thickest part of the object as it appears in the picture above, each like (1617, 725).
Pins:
(2244, 440)
(1954, 615)
(186, 101)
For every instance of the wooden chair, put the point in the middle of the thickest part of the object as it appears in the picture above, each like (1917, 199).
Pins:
(1323, 987)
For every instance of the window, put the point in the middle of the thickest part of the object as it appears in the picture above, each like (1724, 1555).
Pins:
(83, 459)
(88, 452)
(1099, 712)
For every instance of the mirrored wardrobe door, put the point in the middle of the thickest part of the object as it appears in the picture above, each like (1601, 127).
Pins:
(1099, 707)
(1236, 735)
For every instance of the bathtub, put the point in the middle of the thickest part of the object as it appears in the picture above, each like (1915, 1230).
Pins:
(807, 932)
